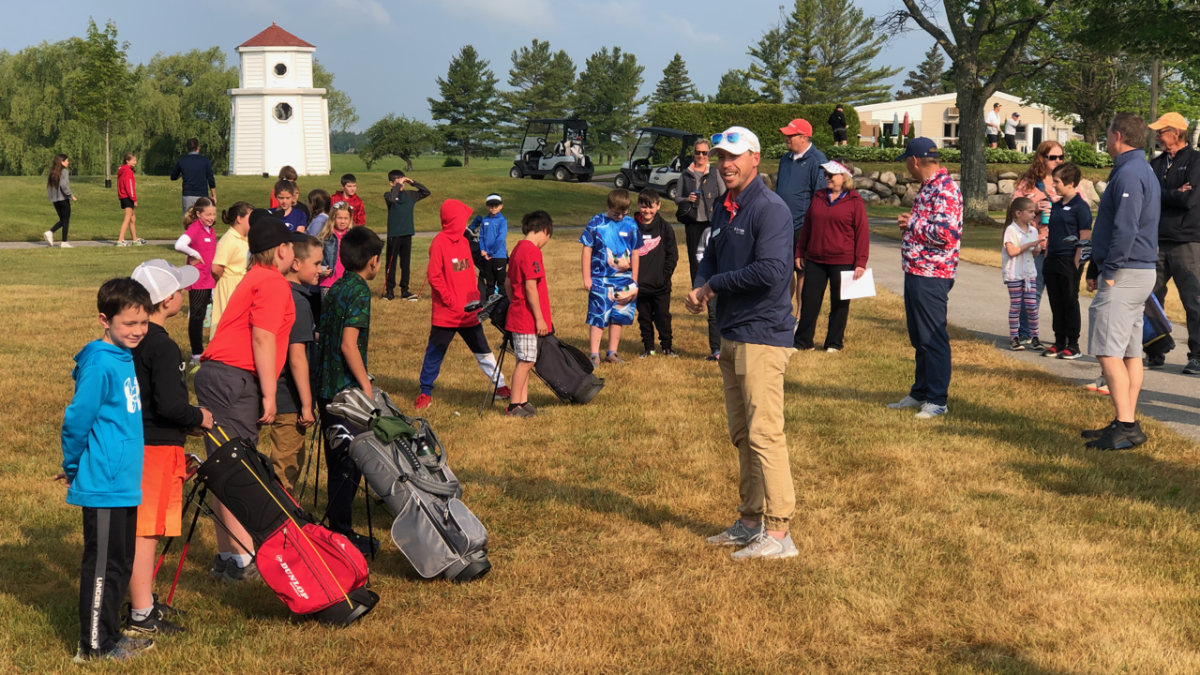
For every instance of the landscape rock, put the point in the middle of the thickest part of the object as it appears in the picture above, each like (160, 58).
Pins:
(874, 175)
(1088, 190)
(770, 180)
(857, 171)
(882, 189)
(1101, 186)
(909, 198)
(1006, 186)
(1009, 175)
(993, 176)
(998, 203)
(888, 178)
(868, 196)
(863, 183)
(991, 189)
(892, 201)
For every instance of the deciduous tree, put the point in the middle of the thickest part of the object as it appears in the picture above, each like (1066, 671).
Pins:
(103, 85)
(398, 137)
(342, 114)
(468, 106)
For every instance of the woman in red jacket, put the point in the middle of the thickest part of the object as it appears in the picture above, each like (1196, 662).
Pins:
(834, 239)
(127, 193)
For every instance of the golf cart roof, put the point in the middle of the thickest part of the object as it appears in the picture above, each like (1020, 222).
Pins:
(670, 133)
(573, 123)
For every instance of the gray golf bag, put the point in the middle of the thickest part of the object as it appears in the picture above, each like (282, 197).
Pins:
(432, 528)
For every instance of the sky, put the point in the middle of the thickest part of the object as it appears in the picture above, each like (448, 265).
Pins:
(387, 54)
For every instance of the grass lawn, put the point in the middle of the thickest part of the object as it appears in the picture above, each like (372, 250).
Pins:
(988, 541)
(97, 214)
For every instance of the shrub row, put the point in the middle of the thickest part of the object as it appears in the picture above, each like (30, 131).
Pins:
(1084, 154)
(764, 119)
(863, 154)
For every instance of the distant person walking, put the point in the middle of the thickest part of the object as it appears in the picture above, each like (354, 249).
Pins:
(58, 190)
(197, 174)
(837, 122)
(929, 251)
(1122, 272)
(800, 176)
(1178, 171)
(700, 186)
(992, 122)
(1010, 130)
(127, 195)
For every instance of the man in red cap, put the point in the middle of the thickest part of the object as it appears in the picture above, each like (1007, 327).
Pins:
(800, 176)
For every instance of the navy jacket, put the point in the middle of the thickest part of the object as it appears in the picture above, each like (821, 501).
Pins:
(197, 174)
(799, 180)
(1067, 219)
(1126, 231)
(748, 264)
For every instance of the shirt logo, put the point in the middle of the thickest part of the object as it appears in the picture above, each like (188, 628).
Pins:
(133, 395)
(537, 268)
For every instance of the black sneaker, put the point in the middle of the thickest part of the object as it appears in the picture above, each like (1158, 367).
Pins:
(165, 611)
(1017, 346)
(388, 296)
(1155, 362)
(411, 297)
(1192, 367)
(1070, 353)
(1119, 438)
(667, 351)
(1036, 344)
(1052, 351)
(152, 627)
(646, 354)
(1097, 433)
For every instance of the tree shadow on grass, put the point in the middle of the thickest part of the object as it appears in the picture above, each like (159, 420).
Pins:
(989, 658)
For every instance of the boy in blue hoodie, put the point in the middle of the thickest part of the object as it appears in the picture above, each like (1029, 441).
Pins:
(493, 248)
(102, 444)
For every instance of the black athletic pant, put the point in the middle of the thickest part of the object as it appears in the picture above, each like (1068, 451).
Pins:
(108, 540)
(812, 296)
(343, 478)
(1062, 287)
(654, 311)
(492, 274)
(399, 252)
(63, 209)
(691, 235)
(198, 302)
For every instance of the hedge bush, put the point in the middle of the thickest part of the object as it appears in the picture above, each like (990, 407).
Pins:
(868, 154)
(1084, 154)
(764, 119)
(452, 161)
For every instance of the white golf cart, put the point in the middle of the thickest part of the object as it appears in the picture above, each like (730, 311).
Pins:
(657, 160)
(566, 160)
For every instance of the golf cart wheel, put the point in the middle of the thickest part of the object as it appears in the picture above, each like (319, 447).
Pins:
(672, 191)
(514, 172)
(621, 182)
(562, 175)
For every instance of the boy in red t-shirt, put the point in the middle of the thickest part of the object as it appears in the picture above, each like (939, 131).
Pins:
(529, 308)
(349, 194)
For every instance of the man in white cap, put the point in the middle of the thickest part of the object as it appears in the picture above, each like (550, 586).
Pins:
(747, 265)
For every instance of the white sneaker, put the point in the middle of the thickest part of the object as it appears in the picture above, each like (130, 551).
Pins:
(65, 245)
(931, 410)
(832, 350)
(766, 546)
(49, 237)
(906, 402)
(737, 535)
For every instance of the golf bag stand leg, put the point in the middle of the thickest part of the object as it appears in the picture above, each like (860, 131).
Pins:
(490, 396)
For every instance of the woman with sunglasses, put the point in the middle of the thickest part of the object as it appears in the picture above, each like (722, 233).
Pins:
(1036, 184)
(698, 189)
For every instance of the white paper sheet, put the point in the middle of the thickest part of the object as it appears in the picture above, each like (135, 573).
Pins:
(863, 288)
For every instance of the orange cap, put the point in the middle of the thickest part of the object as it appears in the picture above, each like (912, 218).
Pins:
(1173, 120)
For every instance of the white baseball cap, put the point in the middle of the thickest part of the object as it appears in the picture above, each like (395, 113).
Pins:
(162, 279)
(736, 141)
(833, 166)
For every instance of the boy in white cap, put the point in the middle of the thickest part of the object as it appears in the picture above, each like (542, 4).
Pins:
(493, 248)
(167, 418)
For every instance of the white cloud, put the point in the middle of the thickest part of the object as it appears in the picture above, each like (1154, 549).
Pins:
(524, 12)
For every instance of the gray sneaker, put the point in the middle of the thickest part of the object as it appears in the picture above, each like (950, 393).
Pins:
(737, 535)
(906, 402)
(1192, 367)
(236, 575)
(218, 568)
(766, 546)
(931, 410)
(127, 649)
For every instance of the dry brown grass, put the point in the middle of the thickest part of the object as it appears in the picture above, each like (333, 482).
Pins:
(988, 541)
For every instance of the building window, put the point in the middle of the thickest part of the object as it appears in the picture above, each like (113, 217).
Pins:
(283, 112)
(280, 70)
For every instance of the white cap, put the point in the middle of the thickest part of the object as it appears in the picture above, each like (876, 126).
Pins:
(162, 279)
(746, 141)
(833, 166)
(493, 198)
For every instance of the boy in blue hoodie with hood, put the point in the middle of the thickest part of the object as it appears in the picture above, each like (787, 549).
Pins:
(102, 465)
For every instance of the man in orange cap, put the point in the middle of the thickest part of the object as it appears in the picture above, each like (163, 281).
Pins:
(1178, 169)
(800, 176)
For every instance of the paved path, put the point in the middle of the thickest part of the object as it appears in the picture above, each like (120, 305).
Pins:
(979, 303)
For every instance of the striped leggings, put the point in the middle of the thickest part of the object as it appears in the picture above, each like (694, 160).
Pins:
(1022, 292)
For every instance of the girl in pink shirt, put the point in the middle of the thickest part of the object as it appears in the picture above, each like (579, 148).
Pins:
(331, 238)
(199, 243)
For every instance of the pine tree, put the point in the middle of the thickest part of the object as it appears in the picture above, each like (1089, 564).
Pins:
(468, 106)
(927, 79)
(542, 82)
(735, 89)
(675, 85)
(771, 65)
(606, 95)
(830, 47)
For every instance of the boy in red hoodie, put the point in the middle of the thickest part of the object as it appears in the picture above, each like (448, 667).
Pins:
(452, 283)
(349, 194)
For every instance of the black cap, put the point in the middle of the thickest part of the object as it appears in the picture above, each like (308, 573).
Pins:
(270, 232)
(257, 215)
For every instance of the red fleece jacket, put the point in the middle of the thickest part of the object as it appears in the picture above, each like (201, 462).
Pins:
(356, 206)
(126, 183)
(451, 273)
(837, 234)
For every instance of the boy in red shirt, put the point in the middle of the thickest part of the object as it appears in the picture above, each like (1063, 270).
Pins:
(452, 285)
(529, 308)
(349, 194)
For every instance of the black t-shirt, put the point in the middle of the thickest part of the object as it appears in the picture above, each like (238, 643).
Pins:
(1067, 218)
(287, 399)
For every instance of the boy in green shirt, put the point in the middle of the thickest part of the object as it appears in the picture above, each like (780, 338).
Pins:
(400, 230)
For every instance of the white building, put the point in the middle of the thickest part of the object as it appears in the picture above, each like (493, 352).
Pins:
(278, 117)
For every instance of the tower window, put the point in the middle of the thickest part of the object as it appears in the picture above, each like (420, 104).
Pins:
(280, 70)
(283, 112)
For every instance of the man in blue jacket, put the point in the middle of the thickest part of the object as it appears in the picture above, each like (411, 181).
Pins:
(197, 174)
(800, 176)
(1122, 272)
(746, 265)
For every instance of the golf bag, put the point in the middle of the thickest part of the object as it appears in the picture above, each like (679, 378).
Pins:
(1156, 329)
(314, 571)
(405, 464)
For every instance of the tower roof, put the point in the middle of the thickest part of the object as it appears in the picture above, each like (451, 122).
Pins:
(275, 37)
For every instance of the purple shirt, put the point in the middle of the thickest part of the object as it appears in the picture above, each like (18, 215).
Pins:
(204, 241)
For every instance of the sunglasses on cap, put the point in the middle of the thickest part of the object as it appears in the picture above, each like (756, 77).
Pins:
(341, 205)
(732, 137)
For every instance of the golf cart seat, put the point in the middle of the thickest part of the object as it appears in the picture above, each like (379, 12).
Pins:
(560, 149)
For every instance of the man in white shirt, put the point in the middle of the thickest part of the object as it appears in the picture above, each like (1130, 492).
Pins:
(1010, 131)
(992, 120)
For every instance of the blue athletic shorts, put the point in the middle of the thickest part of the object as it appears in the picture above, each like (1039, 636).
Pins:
(604, 311)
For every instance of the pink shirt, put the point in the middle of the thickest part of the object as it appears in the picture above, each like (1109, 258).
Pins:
(204, 241)
(338, 270)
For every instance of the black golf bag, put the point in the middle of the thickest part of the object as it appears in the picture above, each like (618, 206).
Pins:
(405, 464)
(314, 571)
(1156, 329)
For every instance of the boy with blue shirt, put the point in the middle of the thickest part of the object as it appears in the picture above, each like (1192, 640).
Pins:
(610, 271)
(492, 230)
(102, 466)
(287, 194)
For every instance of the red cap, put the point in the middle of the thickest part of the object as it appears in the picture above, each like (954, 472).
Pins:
(798, 126)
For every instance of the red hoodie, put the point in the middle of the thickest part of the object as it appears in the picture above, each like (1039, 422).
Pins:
(126, 183)
(837, 234)
(451, 273)
(356, 206)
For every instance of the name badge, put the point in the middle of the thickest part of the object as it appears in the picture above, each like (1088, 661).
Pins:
(1066, 208)
(645, 237)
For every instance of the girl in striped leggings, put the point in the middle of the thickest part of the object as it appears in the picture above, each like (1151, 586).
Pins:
(1021, 243)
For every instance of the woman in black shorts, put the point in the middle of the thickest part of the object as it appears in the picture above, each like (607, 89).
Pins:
(127, 193)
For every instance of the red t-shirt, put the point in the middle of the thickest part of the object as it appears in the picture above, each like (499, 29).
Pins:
(263, 299)
(524, 264)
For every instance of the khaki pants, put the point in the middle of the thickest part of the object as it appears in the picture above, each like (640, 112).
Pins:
(753, 376)
(288, 454)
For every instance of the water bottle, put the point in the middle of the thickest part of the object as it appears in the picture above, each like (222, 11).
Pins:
(1045, 218)
(208, 316)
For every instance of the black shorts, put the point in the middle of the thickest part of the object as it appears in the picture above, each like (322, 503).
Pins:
(127, 203)
(839, 135)
(993, 138)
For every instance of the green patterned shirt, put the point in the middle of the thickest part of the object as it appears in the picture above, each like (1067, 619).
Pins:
(348, 303)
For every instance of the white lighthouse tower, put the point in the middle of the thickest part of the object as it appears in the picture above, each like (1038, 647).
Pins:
(278, 117)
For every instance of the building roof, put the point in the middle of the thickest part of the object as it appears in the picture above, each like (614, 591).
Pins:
(275, 37)
(940, 98)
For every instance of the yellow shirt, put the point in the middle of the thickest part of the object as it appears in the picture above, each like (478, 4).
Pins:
(233, 251)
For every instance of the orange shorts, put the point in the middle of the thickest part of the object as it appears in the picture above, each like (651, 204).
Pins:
(163, 471)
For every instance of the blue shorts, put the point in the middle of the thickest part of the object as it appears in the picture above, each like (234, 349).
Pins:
(604, 311)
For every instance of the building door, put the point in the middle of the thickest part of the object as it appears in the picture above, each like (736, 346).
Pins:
(1035, 135)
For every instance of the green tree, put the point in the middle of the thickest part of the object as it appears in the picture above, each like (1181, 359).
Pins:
(606, 95)
(191, 91)
(771, 65)
(830, 47)
(542, 82)
(103, 84)
(675, 85)
(735, 89)
(927, 79)
(342, 114)
(36, 118)
(400, 137)
(468, 106)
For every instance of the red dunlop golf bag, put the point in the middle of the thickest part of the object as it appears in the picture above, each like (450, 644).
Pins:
(314, 571)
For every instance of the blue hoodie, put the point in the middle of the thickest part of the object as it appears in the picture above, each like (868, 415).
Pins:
(493, 233)
(102, 430)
